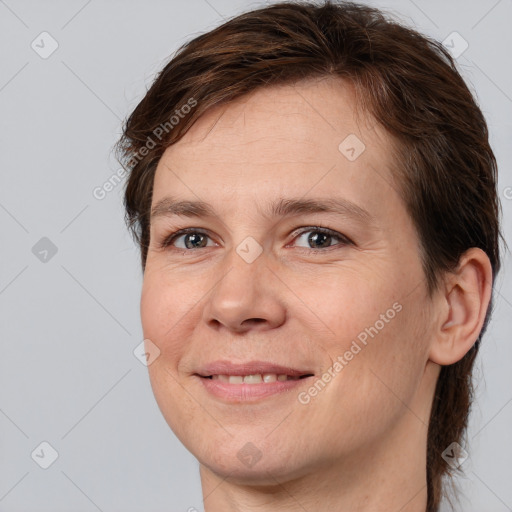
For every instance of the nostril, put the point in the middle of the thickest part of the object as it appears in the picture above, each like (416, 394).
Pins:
(253, 320)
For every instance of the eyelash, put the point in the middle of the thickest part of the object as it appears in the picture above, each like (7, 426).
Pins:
(168, 240)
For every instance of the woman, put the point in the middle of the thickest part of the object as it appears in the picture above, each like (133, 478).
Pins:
(314, 196)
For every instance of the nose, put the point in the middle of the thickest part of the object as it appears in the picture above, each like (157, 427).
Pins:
(248, 296)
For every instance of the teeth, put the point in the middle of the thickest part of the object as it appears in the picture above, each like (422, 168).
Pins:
(257, 378)
(253, 379)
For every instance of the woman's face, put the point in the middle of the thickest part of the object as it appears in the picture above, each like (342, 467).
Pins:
(256, 288)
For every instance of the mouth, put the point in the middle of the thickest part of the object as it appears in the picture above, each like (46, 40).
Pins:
(249, 381)
(256, 378)
(251, 372)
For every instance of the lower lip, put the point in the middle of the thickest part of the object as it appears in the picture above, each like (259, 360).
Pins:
(248, 392)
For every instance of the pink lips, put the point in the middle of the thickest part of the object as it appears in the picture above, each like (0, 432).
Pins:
(242, 392)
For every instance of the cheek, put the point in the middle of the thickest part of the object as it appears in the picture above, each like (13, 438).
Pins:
(379, 378)
(395, 354)
(378, 330)
(167, 311)
(347, 302)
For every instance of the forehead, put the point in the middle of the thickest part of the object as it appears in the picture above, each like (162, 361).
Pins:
(310, 118)
(282, 141)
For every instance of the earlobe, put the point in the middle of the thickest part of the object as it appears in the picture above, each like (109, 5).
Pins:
(463, 308)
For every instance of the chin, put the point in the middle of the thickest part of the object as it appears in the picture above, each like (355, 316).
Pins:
(257, 464)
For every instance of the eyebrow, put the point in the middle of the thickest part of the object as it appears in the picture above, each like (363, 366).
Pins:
(168, 207)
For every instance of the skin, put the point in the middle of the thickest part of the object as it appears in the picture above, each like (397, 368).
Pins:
(360, 443)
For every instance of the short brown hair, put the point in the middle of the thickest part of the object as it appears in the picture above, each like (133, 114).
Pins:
(408, 82)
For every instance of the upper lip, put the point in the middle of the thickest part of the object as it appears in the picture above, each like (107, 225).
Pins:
(249, 368)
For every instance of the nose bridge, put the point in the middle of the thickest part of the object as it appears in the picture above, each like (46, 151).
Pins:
(242, 297)
(240, 286)
(245, 264)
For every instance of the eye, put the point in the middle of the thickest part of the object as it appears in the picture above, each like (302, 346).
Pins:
(191, 239)
(321, 238)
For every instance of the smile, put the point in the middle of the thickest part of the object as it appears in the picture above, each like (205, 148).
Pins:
(257, 378)
(249, 381)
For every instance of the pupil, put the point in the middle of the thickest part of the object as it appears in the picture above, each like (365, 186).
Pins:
(320, 237)
(193, 238)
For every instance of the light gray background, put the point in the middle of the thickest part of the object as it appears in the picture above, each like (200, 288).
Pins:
(68, 375)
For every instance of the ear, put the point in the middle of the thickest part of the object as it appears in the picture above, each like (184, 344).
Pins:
(462, 307)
